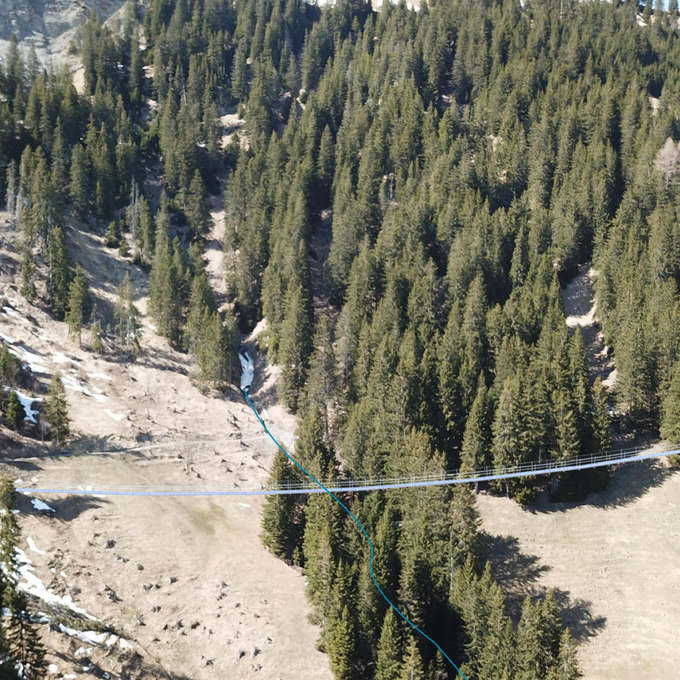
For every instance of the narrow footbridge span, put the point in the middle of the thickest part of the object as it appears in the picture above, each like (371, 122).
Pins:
(615, 457)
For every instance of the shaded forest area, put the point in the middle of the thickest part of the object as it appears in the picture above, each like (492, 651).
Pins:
(470, 155)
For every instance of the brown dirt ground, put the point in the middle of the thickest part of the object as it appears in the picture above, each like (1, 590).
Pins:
(202, 542)
(614, 563)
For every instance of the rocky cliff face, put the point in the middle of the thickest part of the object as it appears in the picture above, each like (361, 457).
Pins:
(51, 24)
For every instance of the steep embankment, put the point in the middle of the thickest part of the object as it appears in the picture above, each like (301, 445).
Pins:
(185, 581)
(51, 24)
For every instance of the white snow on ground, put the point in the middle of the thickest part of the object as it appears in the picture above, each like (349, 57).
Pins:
(6, 338)
(248, 370)
(33, 361)
(63, 359)
(93, 638)
(245, 505)
(101, 376)
(115, 416)
(32, 585)
(11, 312)
(73, 384)
(39, 505)
(52, 668)
(27, 403)
(33, 547)
(86, 636)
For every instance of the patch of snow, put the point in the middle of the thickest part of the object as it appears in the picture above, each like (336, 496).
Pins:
(33, 547)
(116, 416)
(39, 505)
(69, 676)
(18, 481)
(100, 398)
(11, 312)
(63, 359)
(111, 641)
(101, 376)
(84, 635)
(27, 403)
(34, 480)
(75, 385)
(34, 362)
(16, 512)
(33, 585)
(7, 339)
(244, 505)
(62, 574)
(52, 668)
(124, 644)
(248, 370)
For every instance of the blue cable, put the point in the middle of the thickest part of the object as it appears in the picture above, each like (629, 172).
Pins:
(358, 523)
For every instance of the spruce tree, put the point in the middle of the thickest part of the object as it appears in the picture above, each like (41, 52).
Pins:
(388, 662)
(56, 411)
(197, 210)
(282, 518)
(76, 303)
(295, 347)
(670, 421)
(14, 412)
(466, 540)
(128, 326)
(475, 451)
(412, 666)
(566, 667)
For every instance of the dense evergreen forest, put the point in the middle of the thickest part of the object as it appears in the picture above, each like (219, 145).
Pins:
(467, 157)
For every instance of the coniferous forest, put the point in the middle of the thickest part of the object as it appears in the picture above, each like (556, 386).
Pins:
(411, 193)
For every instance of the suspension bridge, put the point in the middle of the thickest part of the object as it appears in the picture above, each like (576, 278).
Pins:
(348, 485)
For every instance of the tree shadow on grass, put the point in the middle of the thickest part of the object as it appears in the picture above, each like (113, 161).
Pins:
(519, 575)
(628, 483)
(66, 507)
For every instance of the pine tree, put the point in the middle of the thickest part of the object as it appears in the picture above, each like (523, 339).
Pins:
(56, 411)
(79, 186)
(197, 210)
(96, 335)
(282, 518)
(475, 452)
(670, 421)
(128, 327)
(76, 303)
(412, 667)
(10, 373)
(341, 646)
(295, 347)
(27, 272)
(23, 639)
(566, 667)
(466, 540)
(14, 412)
(59, 281)
(388, 663)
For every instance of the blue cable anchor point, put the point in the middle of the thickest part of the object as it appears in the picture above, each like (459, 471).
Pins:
(358, 523)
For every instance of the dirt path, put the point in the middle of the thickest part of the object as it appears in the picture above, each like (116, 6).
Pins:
(214, 248)
(580, 311)
(614, 563)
